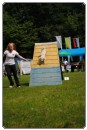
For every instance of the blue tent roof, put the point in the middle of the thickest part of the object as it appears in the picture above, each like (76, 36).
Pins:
(72, 52)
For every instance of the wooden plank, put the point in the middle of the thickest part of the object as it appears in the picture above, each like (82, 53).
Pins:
(44, 66)
(46, 70)
(45, 83)
(54, 57)
(47, 49)
(36, 59)
(46, 46)
(46, 62)
(45, 75)
(53, 53)
(44, 79)
(46, 43)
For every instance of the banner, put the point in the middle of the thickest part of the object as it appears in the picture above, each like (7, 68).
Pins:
(76, 42)
(68, 42)
(59, 41)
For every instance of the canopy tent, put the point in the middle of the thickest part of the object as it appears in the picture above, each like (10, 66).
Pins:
(72, 52)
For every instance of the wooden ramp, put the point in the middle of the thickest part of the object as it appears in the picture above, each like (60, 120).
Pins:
(48, 73)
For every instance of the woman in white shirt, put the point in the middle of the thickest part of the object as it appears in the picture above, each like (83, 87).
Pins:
(10, 66)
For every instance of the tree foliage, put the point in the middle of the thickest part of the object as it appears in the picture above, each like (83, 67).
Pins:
(27, 23)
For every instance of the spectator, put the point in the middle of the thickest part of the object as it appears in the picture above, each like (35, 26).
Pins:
(65, 64)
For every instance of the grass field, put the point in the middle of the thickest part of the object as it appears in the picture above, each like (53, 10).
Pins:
(61, 106)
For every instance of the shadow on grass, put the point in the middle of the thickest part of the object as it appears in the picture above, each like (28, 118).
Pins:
(25, 84)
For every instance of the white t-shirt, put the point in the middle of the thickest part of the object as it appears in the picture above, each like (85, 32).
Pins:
(65, 62)
(10, 57)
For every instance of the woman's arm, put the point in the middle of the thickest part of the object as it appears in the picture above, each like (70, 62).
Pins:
(21, 57)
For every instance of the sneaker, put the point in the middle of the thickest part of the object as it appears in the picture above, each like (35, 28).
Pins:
(10, 86)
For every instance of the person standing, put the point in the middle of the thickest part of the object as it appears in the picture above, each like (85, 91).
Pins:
(65, 64)
(9, 63)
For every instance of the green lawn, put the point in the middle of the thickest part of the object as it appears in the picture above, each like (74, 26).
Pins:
(61, 106)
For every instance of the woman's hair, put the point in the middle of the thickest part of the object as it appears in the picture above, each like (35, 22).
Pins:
(8, 46)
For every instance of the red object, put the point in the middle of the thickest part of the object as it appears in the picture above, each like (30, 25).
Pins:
(74, 42)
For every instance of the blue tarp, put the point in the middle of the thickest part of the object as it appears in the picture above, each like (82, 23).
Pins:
(72, 52)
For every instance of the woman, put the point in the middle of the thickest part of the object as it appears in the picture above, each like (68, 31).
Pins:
(10, 66)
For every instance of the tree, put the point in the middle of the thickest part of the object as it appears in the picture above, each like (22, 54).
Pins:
(27, 23)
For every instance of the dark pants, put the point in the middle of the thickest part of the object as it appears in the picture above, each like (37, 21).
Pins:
(12, 69)
(65, 68)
